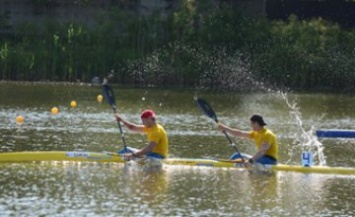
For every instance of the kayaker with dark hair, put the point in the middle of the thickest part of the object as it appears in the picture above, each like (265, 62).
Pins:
(265, 140)
(157, 137)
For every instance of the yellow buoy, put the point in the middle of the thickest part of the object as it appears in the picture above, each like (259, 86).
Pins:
(73, 104)
(19, 119)
(54, 110)
(99, 98)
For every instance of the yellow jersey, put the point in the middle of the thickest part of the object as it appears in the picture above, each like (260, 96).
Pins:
(266, 136)
(158, 135)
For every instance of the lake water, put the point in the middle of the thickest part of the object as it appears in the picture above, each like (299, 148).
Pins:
(93, 189)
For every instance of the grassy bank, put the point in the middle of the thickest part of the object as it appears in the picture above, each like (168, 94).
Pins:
(197, 45)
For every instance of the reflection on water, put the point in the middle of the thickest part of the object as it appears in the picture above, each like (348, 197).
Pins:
(69, 189)
(111, 190)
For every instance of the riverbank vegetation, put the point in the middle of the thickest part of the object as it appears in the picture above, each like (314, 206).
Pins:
(196, 45)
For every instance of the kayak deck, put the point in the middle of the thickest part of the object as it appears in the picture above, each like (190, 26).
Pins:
(278, 167)
(60, 156)
(106, 157)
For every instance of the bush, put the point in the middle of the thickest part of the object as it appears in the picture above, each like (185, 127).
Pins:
(200, 45)
(307, 55)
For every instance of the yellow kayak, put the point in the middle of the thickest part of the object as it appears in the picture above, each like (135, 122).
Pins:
(278, 167)
(107, 157)
(32, 156)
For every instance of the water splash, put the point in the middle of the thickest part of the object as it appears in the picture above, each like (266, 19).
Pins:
(217, 69)
(307, 141)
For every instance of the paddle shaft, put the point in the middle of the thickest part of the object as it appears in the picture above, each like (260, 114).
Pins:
(120, 128)
(232, 144)
(208, 111)
(110, 98)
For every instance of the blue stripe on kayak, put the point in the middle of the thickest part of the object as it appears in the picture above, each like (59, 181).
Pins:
(336, 133)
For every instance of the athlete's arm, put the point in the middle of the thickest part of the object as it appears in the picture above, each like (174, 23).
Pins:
(234, 132)
(264, 147)
(133, 127)
(149, 148)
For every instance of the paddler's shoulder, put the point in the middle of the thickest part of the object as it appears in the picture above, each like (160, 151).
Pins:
(269, 132)
(160, 127)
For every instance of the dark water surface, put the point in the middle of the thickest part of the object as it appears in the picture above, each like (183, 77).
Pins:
(91, 189)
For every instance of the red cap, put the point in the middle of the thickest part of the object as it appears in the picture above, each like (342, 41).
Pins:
(148, 114)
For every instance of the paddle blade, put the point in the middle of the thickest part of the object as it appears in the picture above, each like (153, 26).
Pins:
(206, 109)
(108, 94)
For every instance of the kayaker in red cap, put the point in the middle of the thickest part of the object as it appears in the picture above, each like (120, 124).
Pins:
(157, 137)
(264, 139)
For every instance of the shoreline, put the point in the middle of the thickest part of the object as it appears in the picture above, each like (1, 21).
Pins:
(186, 88)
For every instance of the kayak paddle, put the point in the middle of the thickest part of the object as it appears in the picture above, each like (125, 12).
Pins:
(110, 99)
(208, 111)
